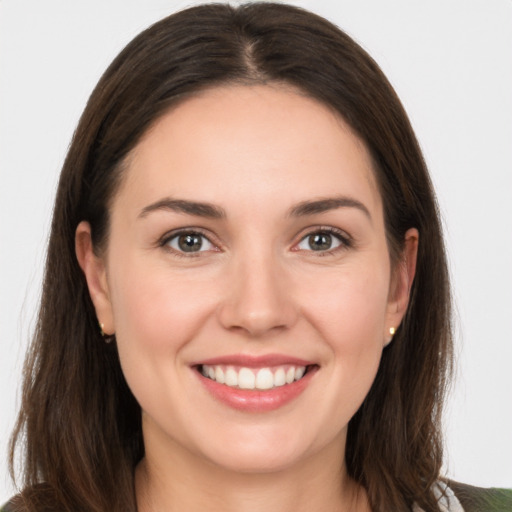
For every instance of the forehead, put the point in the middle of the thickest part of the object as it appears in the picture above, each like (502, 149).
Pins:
(233, 141)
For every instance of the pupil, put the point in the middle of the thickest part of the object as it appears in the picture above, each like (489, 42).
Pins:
(320, 242)
(190, 243)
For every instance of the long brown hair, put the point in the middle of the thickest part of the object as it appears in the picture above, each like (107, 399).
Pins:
(79, 424)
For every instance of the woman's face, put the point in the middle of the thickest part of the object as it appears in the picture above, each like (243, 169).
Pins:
(247, 278)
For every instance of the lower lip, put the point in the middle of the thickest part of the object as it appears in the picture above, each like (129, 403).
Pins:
(256, 400)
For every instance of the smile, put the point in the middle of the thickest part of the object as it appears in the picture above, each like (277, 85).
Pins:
(255, 384)
(253, 378)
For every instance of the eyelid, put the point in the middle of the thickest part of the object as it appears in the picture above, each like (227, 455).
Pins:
(346, 240)
(164, 240)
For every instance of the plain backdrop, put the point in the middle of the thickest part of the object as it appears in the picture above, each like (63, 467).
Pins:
(450, 62)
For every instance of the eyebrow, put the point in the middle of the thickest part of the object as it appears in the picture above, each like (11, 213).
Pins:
(212, 211)
(323, 205)
(207, 210)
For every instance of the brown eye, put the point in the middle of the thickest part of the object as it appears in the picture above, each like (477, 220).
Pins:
(189, 242)
(322, 241)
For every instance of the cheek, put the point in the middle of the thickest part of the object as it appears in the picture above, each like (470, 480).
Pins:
(156, 314)
(350, 317)
(349, 307)
(155, 310)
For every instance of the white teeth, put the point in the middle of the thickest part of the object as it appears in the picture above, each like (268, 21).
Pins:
(299, 372)
(251, 378)
(246, 379)
(231, 377)
(264, 379)
(279, 377)
(219, 375)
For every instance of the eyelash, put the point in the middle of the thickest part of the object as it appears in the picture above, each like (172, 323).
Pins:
(346, 242)
(166, 239)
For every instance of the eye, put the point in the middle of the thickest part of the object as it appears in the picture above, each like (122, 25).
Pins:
(189, 242)
(323, 241)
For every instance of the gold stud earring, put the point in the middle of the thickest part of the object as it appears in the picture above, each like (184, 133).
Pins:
(106, 337)
(390, 337)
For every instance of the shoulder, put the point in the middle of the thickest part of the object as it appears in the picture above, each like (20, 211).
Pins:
(8, 507)
(16, 504)
(11, 506)
(39, 498)
(479, 499)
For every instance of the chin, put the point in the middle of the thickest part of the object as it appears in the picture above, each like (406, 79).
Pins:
(265, 461)
(262, 451)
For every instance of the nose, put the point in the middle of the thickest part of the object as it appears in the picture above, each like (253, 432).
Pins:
(258, 299)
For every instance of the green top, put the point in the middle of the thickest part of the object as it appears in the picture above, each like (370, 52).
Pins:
(472, 499)
(477, 499)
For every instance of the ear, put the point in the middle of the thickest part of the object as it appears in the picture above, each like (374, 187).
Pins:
(94, 269)
(401, 284)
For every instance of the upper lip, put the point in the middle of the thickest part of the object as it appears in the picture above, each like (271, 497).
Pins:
(250, 361)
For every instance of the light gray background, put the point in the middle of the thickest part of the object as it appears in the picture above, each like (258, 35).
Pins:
(451, 63)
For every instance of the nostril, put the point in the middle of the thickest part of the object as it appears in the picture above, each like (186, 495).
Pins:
(259, 300)
(256, 322)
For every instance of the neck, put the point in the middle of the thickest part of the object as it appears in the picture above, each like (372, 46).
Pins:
(187, 482)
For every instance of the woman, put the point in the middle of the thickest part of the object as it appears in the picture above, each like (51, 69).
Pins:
(246, 302)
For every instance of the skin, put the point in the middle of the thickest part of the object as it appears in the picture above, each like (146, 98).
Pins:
(255, 288)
